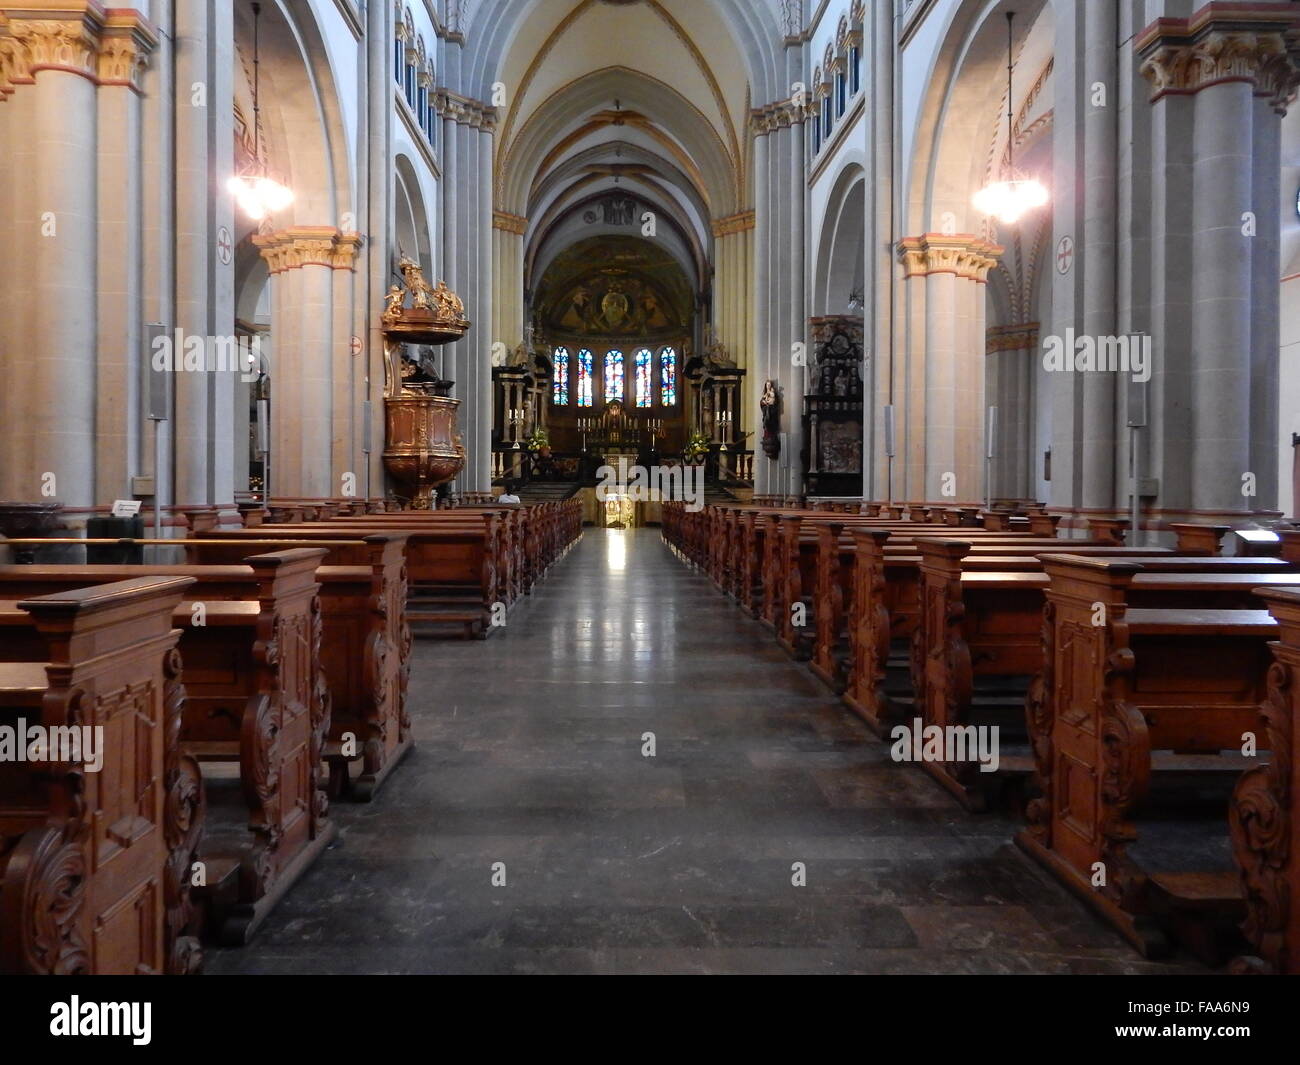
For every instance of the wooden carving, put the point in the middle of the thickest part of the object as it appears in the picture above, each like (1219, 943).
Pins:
(1039, 709)
(184, 815)
(1262, 823)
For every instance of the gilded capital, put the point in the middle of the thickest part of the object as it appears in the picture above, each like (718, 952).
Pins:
(106, 46)
(1023, 337)
(963, 254)
(736, 223)
(1255, 45)
(509, 223)
(299, 246)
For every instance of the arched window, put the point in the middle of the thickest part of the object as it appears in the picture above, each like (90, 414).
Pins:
(560, 375)
(409, 60)
(429, 117)
(668, 377)
(841, 94)
(584, 378)
(399, 45)
(644, 378)
(614, 376)
(422, 94)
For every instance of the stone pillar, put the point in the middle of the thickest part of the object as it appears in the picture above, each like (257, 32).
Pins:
(203, 412)
(1011, 354)
(1100, 486)
(881, 311)
(302, 261)
(478, 448)
(780, 278)
(767, 479)
(51, 59)
(125, 47)
(943, 431)
(1205, 73)
(377, 195)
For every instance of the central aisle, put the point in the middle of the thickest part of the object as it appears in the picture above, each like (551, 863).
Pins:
(529, 753)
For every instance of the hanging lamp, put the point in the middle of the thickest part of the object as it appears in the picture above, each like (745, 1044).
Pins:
(1011, 199)
(257, 193)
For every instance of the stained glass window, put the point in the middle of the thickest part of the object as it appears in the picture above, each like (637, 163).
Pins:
(668, 377)
(644, 378)
(584, 378)
(560, 396)
(613, 376)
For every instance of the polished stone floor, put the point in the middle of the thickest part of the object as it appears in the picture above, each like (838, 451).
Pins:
(530, 767)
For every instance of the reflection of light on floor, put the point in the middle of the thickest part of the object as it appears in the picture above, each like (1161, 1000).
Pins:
(615, 550)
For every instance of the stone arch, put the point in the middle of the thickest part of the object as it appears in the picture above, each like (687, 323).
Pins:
(841, 254)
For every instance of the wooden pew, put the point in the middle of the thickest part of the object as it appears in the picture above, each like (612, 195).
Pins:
(891, 584)
(1146, 691)
(95, 866)
(365, 639)
(1264, 816)
(452, 575)
(988, 625)
(256, 696)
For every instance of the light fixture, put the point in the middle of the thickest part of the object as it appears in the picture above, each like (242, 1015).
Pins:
(1010, 199)
(257, 193)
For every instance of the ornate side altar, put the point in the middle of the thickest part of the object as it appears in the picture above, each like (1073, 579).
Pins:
(422, 446)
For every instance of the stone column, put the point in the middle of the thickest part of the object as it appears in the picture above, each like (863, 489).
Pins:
(125, 47)
(881, 317)
(1011, 353)
(780, 277)
(302, 261)
(51, 59)
(202, 416)
(767, 475)
(479, 448)
(943, 431)
(1205, 72)
(1097, 161)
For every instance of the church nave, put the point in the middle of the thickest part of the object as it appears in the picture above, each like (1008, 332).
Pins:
(529, 752)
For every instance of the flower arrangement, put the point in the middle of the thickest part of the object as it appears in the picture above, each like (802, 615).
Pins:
(538, 439)
(696, 448)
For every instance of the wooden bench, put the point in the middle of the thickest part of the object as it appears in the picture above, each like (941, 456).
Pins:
(256, 695)
(365, 639)
(1264, 816)
(885, 604)
(1127, 693)
(95, 867)
(987, 625)
(451, 566)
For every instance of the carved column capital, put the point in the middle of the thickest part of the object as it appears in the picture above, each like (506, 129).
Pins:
(963, 254)
(1258, 45)
(736, 223)
(510, 223)
(1023, 337)
(299, 246)
(780, 115)
(107, 47)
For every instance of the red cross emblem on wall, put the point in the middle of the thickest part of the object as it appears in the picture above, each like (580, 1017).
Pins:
(1064, 255)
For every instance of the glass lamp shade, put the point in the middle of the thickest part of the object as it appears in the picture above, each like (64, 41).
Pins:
(1009, 201)
(258, 195)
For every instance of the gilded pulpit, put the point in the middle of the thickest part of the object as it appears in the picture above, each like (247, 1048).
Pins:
(422, 446)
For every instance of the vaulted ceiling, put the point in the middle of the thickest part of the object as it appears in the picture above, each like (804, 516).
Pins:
(641, 98)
